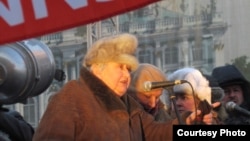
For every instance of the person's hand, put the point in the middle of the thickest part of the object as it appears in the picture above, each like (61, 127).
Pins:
(194, 118)
(207, 118)
(215, 104)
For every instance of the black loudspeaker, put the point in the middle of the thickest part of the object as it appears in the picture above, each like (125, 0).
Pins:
(27, 68)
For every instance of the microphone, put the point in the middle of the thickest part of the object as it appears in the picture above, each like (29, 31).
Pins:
(148, 86)
(233, 106)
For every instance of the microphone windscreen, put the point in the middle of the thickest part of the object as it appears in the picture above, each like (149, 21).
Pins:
(217, 94)
(147, 86)
(230, 105)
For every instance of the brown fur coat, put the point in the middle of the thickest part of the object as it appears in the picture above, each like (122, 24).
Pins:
(87, 110)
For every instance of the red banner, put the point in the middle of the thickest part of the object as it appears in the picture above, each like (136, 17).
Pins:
(23, 19)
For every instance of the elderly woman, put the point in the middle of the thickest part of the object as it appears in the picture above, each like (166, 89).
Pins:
(96, 107)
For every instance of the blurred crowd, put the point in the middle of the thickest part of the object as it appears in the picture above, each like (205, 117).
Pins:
(226, 88)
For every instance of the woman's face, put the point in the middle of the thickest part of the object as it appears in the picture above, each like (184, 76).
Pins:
(184, 102)
(115, 75)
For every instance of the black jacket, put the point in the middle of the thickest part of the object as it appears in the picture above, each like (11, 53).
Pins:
(13, 124)
(228, 75)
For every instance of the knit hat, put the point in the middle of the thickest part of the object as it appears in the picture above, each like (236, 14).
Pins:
(145, 72)
(196, 79)
(118, 48)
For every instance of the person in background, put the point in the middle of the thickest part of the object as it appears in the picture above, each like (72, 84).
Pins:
(97, 107)
(192, 95)
(150, 100)
(13, 127)
(237, 90)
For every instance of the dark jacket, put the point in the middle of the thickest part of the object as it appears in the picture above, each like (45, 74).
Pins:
(13, 124)
(228, 75)
(87, 110)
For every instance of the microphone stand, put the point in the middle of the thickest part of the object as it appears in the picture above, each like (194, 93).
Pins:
(173, 100)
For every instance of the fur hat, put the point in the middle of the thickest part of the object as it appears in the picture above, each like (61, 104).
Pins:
(118, 48)
(145, 72)
(199, 83)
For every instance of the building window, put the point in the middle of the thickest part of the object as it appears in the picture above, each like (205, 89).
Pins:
(29, 112)
(208, 53)
(171, 55)
(197, 53)
(52, 38)
(145, 56)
